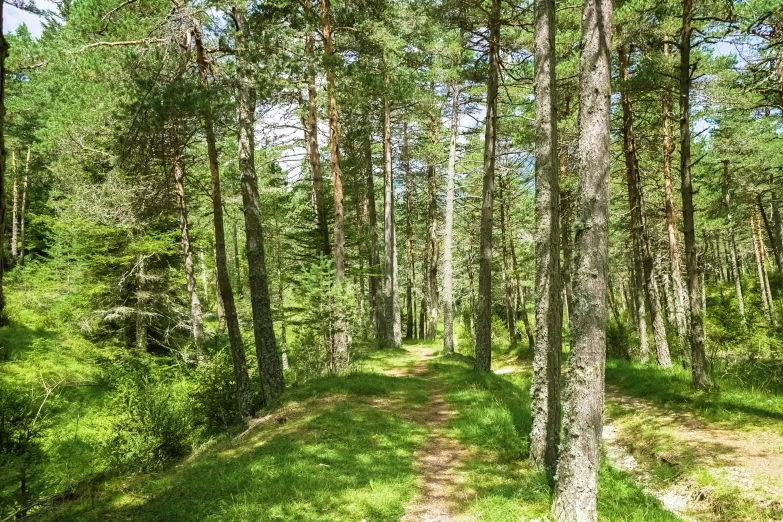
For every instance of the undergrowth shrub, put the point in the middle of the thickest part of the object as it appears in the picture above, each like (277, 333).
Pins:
(154, 423)
(213, 393)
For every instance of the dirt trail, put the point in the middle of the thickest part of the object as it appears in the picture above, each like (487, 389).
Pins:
(437, 462)
(752, 462)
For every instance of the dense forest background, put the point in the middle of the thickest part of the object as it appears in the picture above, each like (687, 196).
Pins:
(206, 203)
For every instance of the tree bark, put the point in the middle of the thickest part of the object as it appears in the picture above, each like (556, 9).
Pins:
(759, 250)
(726, 186)
(377, 310)
(698, 355)
(643, 257)
(448, 238)
(313, 153)
(141, 303)
(270, 369)
(393, 334)
(433, 253)
(339, 359)
(483, 360)
(545, 387)
(409, 332)
(14, 211)
(777, 227)
(576, 488)
(196, 320)
(23, 210)
(226, 295)
(508, 280)
(3, 161)
(237, 264)
(681, 303)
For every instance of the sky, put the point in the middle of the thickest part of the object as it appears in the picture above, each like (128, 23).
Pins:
(13, 18)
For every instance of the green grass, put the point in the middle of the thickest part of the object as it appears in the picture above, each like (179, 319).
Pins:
(728, 404)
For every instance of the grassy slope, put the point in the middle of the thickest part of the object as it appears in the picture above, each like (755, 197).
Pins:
(343, 448)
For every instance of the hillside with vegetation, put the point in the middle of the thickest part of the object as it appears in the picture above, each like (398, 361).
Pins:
(382, 260)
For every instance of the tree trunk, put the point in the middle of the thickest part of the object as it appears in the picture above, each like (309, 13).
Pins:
(270, 369)
(639, 232)
(226, 303)
(409, 332)
(377, 309)
(508, 282)
(23, 210)
(313, 153)
(698, 355)
(433, 253)
(726, 188)
(576, 488)
(521, 295)
(3, 161)
(448, 283)
(141, 303)
(680, 303)
(237, 264)
(393, 334)
(196, 320)
(14, 212)
(566, 212)
(777, 226)
(339, 359)
(758, 248)
(483, 359)
(545, 387)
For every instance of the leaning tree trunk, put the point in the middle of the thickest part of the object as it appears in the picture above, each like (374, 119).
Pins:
(545, 388)
(409, 331)
(759, 250)
(643, 254)
(698, 355)
(576, 488)
(483, 359)
(23, 210)
(196, 320)
(681, 303)
(339, 357)
(313, 153)
(726, 186)
(393, 334)
(270, 369)
(226, 307)
(448, 283)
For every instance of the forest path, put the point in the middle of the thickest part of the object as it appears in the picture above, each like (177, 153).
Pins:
(698, 470)
(438, 462)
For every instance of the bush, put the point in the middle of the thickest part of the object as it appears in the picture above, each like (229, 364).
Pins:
(214, 393)
(154, 424)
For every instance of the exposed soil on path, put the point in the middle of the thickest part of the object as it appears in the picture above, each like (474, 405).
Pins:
(438, 462)
(751, 462)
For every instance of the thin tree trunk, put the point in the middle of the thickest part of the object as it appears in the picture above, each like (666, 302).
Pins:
(576, 488)
(313, 153)
(3, 161)
(219, 308)
(698, 355)
(226, 295)
(508, 282)
(196, 320)
(681, 303)
(340, 335)
(433, 253)
(567, 242)
(639, 225)
(777, 224)
(141, 303)
(393, 337)
(270, 369)
(726, 187)
(15, 211)
(448, 238)
(521, 294)
(409, 332)
(23, 210)
(483, 360)
(237, 264)
(281, 296)
(758, 249)
(545, 387)
(377, 309)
